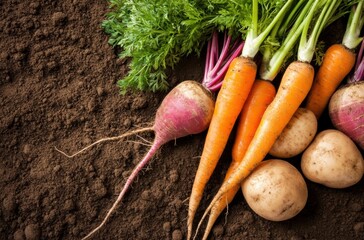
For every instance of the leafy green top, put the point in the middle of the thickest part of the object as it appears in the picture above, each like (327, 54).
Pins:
(155, 34)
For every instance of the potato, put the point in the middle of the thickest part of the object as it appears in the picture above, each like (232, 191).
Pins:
(333, 160)
(275, 190)
(296, 136)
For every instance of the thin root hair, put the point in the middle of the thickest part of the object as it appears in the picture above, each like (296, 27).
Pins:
(139, 130)
(141, 143)
(144, 125)
(184, 201)
(144, 139)
(226, 213)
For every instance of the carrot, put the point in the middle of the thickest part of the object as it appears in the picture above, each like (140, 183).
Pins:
(337, 63)
(260, 96)
(294, 87)
(229, 103)
(230, 100)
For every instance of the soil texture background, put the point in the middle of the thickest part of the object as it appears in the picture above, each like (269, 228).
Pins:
(58, 88)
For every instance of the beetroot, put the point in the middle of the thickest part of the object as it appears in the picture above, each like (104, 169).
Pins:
(346, 109)
(173, 120)
(346, 106)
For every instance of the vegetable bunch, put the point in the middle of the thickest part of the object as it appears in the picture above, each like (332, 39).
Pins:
(155, 34)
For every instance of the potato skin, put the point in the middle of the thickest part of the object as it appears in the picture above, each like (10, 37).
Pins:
(275, 190)
(333, 160)
(296, 136)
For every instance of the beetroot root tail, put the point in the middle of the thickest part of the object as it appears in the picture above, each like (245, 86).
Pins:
(127, 134)
(156, 145)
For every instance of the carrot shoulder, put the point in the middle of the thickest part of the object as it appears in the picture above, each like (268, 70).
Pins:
(229, 103)
(260, 96)
(337, 63)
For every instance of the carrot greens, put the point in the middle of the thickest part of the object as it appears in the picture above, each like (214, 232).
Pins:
(155, 34)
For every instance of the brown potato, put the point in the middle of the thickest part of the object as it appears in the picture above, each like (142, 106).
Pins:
(296, 136)
(275, 190)
(333, 160)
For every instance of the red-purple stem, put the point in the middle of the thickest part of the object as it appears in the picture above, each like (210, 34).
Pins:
(224, 52)
(218, 63)
(359, 66)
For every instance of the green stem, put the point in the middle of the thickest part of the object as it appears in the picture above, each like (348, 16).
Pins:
(255, 18)
(253, 41)
(351, 37)
(289, 20)
(275, 34)
(270, 68)
(306, 48)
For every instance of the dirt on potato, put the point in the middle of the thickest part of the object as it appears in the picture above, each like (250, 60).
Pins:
(58, 88)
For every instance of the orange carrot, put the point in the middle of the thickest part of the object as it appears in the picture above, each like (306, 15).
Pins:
(260, 96)
(294, 87)
(229, 103)
(337, 63)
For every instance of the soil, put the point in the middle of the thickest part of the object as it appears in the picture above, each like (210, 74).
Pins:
(58, 89)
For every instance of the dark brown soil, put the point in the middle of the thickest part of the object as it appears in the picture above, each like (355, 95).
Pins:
(58, 88)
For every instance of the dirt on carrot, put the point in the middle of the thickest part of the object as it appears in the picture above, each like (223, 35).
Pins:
(58, 83)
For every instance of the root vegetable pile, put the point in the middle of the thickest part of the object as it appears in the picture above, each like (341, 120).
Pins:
(262, 41)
